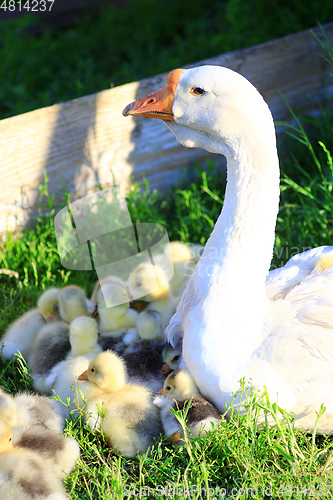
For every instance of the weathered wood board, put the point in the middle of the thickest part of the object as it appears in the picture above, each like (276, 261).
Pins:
(86, 142)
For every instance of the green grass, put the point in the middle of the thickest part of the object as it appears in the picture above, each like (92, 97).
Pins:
(240, 458)
(137, 41)
(278, 461)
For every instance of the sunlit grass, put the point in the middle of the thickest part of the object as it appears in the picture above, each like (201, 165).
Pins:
(244, 457)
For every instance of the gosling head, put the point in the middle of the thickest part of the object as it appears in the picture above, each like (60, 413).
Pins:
(83, 335)
(72, 303)
(180, 252)
(113, 295)
(107, 371)
(48, 305)
(179, 385)
(171, 358)
(148, 282)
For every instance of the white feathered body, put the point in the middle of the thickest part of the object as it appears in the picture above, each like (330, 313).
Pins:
(231, 328)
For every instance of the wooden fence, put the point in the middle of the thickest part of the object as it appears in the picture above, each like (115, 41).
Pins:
(87, 142)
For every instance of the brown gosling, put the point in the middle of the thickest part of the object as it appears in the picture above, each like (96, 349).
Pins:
(179, 392)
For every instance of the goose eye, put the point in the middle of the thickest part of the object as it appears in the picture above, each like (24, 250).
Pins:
(92, 370)
(138, 284)
(197, 91)
(55, 308)
(176, 358)
(168, 388)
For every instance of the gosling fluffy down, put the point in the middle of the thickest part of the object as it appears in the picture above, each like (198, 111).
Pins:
(172, 357)
(50, 347)
(35, 424)
(83, 337)
(59, 452)
(101, 283)
(184, 258)
(24, 476)
(114, 309)
(27, 409)
(52, 343)
(123, 411)
(20, 335)
(150, 282)
(63, 376)
(143, 363)
(178, 392)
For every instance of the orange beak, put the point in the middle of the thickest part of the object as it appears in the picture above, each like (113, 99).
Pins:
(49, 319)
(160, 392)
(165, 369)
(83, 376)
(158, 104)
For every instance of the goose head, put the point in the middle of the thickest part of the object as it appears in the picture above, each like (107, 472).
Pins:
(210, 107)
(179, 385)
(48, 305)
(107, 371)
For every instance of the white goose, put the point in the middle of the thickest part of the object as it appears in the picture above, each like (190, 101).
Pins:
(231, 328)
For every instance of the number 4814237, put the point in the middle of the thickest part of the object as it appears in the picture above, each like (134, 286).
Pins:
(27, 5)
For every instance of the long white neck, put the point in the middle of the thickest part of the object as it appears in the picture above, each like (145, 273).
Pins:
(235, 262)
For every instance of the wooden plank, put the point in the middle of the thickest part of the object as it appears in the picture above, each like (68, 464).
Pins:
(86, 142)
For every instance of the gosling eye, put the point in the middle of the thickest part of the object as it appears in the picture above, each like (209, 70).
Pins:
(138, 284)
(197, 91)
(168, 388)
(92, 370)
(55, 308)
(176, 358)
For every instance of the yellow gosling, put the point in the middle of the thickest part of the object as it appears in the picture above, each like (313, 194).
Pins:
(48, 305)
(178, 391)
(20, 335)
(52, 344)
(123, 411)
(23, 474)
(171, 358)
(113, 308)
(150, 283)
(108, 280)
(83, 337)
(72, 303)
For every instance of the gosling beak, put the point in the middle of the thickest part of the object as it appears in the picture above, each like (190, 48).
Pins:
(49, 319)
(159, 103)
(83, 376)
(160, 392)
(165, 369)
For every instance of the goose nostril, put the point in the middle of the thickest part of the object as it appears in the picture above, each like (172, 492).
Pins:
(151, 101)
